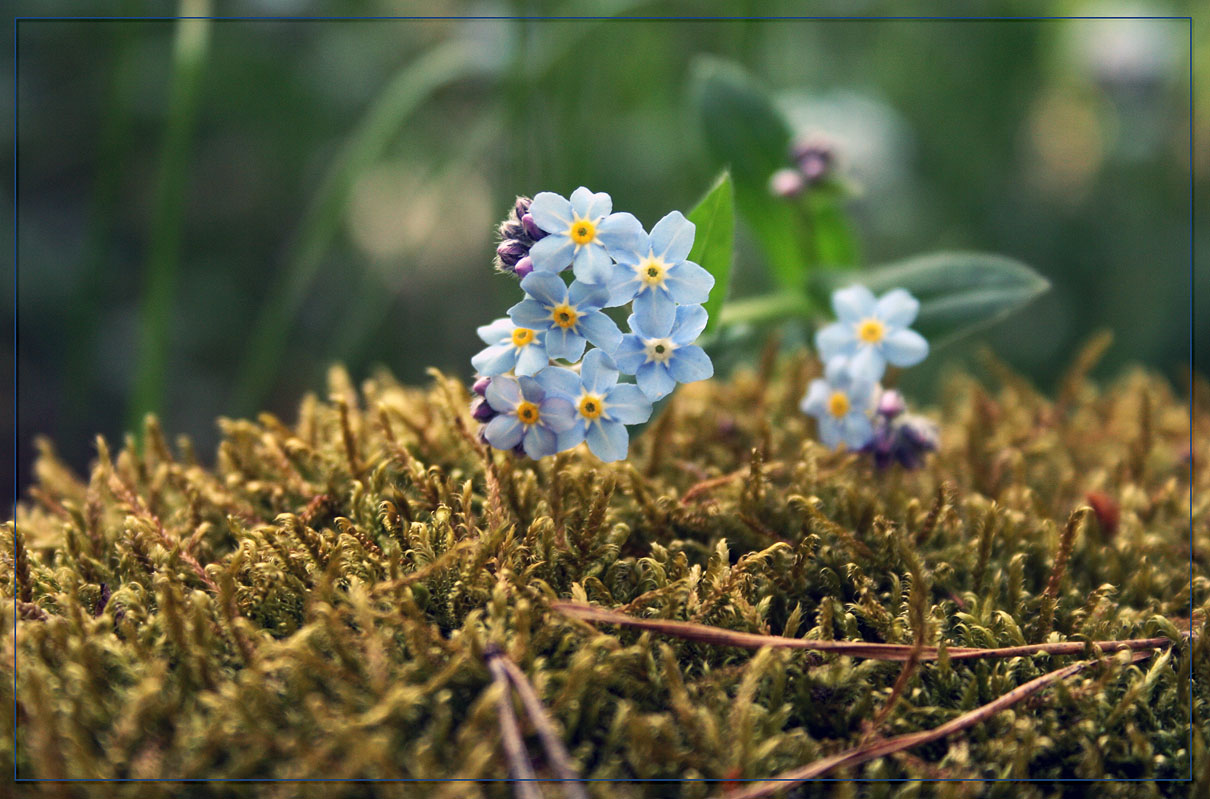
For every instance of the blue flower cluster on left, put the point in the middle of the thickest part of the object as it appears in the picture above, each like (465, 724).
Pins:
(539, 393)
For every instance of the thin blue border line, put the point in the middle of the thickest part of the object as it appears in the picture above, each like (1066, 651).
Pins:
(814, 18)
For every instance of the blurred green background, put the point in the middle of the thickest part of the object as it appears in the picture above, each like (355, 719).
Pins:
(211, 213)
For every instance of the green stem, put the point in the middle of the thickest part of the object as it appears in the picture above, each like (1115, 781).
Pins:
(160, 278)
(767, 308)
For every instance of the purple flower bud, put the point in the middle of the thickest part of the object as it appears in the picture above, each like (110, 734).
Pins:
(510, 251)
(891, 404)
(480, 386)
(814, 158)
(481, 411)
(906, 439)
(531, 228)
(524, 267)
(787, 183)
(521, 207)
(512, 229)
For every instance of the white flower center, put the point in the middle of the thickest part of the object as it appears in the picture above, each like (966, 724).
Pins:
(659, 349)
(652, 272)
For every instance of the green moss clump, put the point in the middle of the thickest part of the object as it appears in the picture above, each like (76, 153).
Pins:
(318, 604)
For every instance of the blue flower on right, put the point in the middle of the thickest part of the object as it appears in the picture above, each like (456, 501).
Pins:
(872, 332)
(841, 402)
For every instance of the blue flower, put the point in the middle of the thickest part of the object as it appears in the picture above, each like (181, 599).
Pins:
(657, 276)
(566, 316)
(841, 402)
(660, 356)
(603, 407)
(872, 333)
(527, 416)
(582, 233)
(511, 348)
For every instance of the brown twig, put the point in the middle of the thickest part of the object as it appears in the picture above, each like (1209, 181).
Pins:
(555, 751)
(510, 733)
(873, 651)
(888, 746)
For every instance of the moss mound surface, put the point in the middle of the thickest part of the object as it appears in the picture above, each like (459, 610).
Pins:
(321, 603)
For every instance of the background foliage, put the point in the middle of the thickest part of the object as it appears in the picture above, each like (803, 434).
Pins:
(211, 213)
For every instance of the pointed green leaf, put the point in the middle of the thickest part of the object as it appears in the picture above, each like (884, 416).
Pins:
(959, 292)
(742, 127)
(713, 244)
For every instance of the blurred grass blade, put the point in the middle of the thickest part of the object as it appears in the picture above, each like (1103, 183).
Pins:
(444, 64)
(714, 244)
(159, 288)
(744, 130)
(959, 293)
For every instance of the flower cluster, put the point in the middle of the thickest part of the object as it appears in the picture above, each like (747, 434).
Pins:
(849, 403)
(532, 405)
(814, 161)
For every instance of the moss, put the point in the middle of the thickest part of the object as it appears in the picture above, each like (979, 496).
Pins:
(319, 604)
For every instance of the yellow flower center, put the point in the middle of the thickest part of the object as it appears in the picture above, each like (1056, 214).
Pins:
(838, 404)
(651, 271)
(591, 406)
(871, 331)
(522, 336)
(528, 413)
(564, 316)
(582, 231)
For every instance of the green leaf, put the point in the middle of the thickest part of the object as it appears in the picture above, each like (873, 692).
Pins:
(713, 244)
(742, 127)
(835, 240)
(959, 292)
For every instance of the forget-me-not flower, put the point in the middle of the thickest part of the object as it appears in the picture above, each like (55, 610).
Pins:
(657, 276)
(521, 349)
(841, 402)
(662, 355)
(603, 406)
(872, 332)
(566, 316)
(581, 232)
(527, 416)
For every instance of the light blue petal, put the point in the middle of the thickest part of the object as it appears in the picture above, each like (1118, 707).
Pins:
(558, 414)
(856, 430)
(655, 381)
(598, 372)
(552, 254)
(672, 238)
(532, 359)
(582, 201)
(861, 395)
(905, 347)
(503, 432)
(530, 313)
(837, 338)
(560, 382)
(592, 264)
(690, 322)
(495, 360)
(570, 438)
(630, 354)
(690, 364)
(546, 288)
(587, 296)
(608, 440)
(830, 431)
(837, 370)
(540, 442)
(623, 237)
(531, 389)
(623, 285)
(868, 364)
(599, 205)
(626, 403)
(852, 304)
(815, 402)
(600, 330)
(498, 331)
(562, 343)
(897, 308)
(688, 283)
(551, 211)
(655, 310)
(503, 394)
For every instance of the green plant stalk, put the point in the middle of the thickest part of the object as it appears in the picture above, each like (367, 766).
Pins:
(160, 276)
(772, 307)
